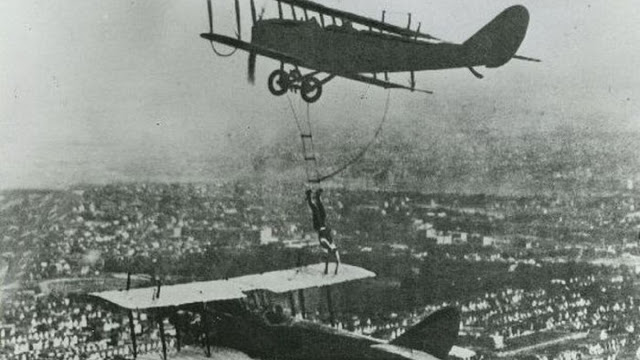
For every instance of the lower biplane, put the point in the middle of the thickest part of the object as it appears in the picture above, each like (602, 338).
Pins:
(339, 49)
(238, 313)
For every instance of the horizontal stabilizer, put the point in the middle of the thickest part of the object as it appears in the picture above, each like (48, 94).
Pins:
(434, 335)
(526, 58)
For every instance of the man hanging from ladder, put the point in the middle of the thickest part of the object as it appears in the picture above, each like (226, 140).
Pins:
(324, 233)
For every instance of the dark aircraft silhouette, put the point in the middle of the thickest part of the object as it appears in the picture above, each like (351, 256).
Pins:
(342, 50)
(246, 313)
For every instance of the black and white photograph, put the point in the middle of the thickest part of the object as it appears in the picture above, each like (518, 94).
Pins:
(319, 180)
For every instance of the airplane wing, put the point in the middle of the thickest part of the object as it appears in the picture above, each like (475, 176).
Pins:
(279, 281)
(381, 83)
(304, 277)
(226, 40)
(362, 20)
(173, 295)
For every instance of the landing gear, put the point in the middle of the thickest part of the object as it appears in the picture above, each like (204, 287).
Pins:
(278, 82)
(310, 87)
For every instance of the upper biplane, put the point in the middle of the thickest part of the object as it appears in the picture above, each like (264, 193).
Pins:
(239, 311)
(335, 47)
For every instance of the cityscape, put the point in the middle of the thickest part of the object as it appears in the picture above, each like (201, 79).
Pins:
(531, 276)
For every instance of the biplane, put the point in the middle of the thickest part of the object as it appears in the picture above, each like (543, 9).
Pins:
(237, 313)
(333, 46)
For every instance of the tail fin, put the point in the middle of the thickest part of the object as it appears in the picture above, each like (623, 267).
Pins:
(435, 335)
(497, 42)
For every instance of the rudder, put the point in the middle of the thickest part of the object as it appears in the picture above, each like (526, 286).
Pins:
(496, 43)
(435, 335)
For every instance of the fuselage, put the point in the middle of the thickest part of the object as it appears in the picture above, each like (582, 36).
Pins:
(295, 339)
(343, 49)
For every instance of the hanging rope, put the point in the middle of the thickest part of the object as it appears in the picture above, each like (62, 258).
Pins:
(363, 151)
(222, 54)
(211, 30)
(318, 176)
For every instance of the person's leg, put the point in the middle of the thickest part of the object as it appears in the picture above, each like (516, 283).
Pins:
(326, 263)
(314, 212)
(322, 215)
(337, 254)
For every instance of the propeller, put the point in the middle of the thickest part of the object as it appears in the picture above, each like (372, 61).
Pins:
(251, 70)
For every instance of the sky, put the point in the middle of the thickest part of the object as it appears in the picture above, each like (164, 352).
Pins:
(103, 91)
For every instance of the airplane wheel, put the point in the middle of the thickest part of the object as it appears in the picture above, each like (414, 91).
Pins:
(278, 82)
(311, 89)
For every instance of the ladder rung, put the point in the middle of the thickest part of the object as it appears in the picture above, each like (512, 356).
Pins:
(307, 136)
(309, 157)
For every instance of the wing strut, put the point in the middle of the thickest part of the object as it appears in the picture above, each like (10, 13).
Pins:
(303, 309)
(176, 324)
(253, 14)
(238, 18)
(210, 16)
(279, 10)
(131, 325)
(332, 315)
(292, 300)
(160, 320)
(204, 324)
(133, 334)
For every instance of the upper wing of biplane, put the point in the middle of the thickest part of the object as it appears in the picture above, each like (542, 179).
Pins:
(218, 290)
(304, 277)
(173, 295)
(358, 19)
